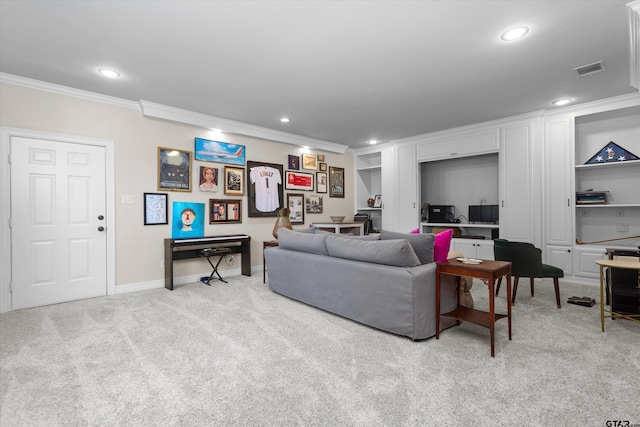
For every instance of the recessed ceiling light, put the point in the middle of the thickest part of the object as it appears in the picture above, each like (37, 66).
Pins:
(285, 119)
(373, 141)
(108, 72)
(562, 101)
(514, 33)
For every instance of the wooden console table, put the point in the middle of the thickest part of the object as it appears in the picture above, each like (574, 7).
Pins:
(488, 271)
(357, 228)
(177, 249)
(614, 263)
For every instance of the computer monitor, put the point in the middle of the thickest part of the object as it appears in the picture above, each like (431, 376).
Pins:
(484, 213)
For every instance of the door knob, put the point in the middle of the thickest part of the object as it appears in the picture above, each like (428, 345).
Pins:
(101, 228)
(100, 217)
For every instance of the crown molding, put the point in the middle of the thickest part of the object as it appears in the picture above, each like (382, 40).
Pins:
(164, 112)
(634, 43)
(65, 90)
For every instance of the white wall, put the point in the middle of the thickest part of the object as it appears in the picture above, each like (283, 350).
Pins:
(460, 182)
(139, 248)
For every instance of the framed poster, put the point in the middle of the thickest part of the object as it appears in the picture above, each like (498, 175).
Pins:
(314, 204)
(225, 210)
(323, 167)
(298, 181)
(309, 161)
(336, 182)
(321, 182)
(156, 209)
(221, 152)
(187, 220)
(233, 181)
(295, 203)
(264, 186)
(294, 162)
(174, 169)
(208, 179)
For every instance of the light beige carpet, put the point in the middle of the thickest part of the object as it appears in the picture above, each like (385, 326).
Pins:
(238, 354)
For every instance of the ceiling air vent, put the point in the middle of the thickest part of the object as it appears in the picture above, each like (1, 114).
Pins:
(589, 69)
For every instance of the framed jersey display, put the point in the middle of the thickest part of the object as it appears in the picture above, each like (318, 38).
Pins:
(264, 186)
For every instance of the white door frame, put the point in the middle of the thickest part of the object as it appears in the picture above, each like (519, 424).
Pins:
(5, 205)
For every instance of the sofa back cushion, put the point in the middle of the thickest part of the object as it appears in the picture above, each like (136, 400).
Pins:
(422, 243)
(302, 242)
(398, 252)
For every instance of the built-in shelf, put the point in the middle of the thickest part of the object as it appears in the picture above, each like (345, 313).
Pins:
(609, 205)
(609, 165)
(370, 168)
(369, 209)
(458, 225)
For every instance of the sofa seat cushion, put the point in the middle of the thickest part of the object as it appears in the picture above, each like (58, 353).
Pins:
(422, 244)
(303, 242)
(398, 252)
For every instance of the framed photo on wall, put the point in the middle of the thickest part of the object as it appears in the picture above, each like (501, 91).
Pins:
(221, 152)
(233, 181)
(298, 181)
(294, 162)
(336, 182)
(208, 179)
(295, 203)
(264, 185)
(321, 182)
(314, 204)
(309, 161)
(224, 211)
(174, 169)
(156, 209)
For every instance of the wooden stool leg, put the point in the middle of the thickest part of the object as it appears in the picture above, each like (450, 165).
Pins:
(515, 290)
(531, 282)
(557, 286)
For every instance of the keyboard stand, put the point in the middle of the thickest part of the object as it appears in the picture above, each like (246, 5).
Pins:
(211, 252)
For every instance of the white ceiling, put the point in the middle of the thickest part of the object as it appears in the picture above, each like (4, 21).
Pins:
(344, 71)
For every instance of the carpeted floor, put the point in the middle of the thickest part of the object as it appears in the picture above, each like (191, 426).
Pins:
(238, 354)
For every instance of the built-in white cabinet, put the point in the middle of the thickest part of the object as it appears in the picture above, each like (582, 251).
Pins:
(408, 206)
(452, 144)
(576, 235)
(368, 177)
(472, 248)
(618, 220)
(559, 256)
(374, 175)
(517, 205)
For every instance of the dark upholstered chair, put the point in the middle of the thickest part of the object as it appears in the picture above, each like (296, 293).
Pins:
(526, 261)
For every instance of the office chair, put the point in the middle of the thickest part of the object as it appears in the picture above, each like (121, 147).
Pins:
(526, 261)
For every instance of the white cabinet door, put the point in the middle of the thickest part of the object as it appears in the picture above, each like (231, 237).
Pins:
(584, 260)
(561, 257)
(558, 167)
(406, 206)
(388, 186)
(470, 248)
(516, 192)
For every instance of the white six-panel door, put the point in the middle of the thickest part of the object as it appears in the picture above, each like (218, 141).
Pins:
(58, 224)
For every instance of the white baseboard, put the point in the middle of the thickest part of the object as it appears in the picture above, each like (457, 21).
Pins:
(153, 284)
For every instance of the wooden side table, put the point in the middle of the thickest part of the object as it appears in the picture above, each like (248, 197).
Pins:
(266, 244)
(614, 263)
(488, 271)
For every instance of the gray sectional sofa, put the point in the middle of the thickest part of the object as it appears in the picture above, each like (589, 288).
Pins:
(387, 283)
